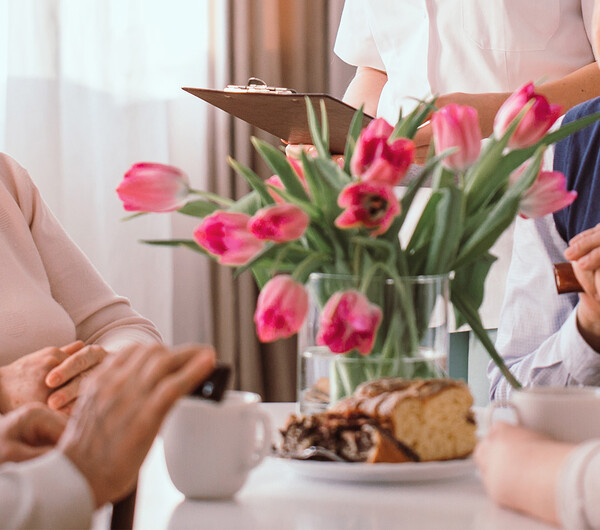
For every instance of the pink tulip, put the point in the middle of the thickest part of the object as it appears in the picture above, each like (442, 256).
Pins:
(375, 159)
(547, 194)
(279, 223)
(370, 204)
(457, 126)
(281, 308)
(349, 321)
(534, 124)
(225, 234)
(275, 180)
(149, 187)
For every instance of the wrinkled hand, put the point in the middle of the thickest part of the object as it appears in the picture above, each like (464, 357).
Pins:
(520, 469)
(584, 253)
(487, 106)
(29, 432)
(121, 408)
(24, 381)
(64, 380)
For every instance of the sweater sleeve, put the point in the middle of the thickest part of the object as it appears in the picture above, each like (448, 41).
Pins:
(47, 492)
(99, 315)
(577, 488)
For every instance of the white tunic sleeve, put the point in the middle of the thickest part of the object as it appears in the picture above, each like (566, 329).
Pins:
(47, 492)
(354, 42)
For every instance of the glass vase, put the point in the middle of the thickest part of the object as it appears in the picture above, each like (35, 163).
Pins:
(412, 340)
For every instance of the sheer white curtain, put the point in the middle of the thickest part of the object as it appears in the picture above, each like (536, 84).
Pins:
(88, 87)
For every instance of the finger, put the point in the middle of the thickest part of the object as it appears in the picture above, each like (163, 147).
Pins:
(74, 365)
(583, 243)
(70, 349)
(20, 452)
(161, 366)
(590, 261)
(48, 432)
(36, 424)
(295, 150)
(181, 382)
(141, 356)
(68, 409)
(66, 393)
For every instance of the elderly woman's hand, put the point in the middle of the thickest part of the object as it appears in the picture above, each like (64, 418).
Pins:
(64, 380)
(121, 409)
(29, 432)
(50, 375)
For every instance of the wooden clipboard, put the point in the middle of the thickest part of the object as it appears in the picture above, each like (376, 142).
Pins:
(282, 112)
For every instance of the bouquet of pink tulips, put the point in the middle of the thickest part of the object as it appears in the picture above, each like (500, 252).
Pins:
(315, 215)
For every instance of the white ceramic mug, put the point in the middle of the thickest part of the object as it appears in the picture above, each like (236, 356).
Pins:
(211, 447)
(566, 413)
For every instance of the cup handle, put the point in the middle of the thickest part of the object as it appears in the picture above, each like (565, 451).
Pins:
(495, 405)
(265, 448)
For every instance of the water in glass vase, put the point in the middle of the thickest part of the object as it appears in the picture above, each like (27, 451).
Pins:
(324, 378)
(411, 341)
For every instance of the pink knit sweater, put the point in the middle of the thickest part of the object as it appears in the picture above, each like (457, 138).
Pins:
(50, 294)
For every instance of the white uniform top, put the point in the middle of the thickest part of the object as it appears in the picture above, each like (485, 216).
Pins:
(442, 46)
(434, 47)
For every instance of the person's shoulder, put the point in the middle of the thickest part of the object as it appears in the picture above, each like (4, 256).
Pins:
(583, 109)
(13, 176)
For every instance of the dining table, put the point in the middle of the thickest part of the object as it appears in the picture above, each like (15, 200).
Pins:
(279, 494)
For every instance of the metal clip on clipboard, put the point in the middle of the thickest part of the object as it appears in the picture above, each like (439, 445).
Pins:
(258, 85)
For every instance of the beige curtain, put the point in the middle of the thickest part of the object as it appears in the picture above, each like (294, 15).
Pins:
(285, 43)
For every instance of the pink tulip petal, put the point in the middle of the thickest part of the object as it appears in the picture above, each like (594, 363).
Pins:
(349, 321)
(153, 187)
(279, 223)
(375, 159)
(281, 308)
(225, 235)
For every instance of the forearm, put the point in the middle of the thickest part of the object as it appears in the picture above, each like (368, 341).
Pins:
(533, 490)
(578, 86)
(365, 89)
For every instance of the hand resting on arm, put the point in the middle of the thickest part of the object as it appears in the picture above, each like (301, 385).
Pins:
(50, 375)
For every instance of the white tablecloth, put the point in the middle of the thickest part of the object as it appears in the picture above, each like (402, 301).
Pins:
(274, 497)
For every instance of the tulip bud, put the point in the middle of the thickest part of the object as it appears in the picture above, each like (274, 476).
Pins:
(533, 125)
(457, 126)
(225, 235)
(281, 308)
(149, 187)
(348, 322)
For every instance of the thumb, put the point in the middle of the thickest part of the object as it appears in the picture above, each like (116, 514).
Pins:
(20, 452)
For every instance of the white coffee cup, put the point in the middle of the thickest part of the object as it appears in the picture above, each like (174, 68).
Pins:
(211, 447)
(566, 413)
